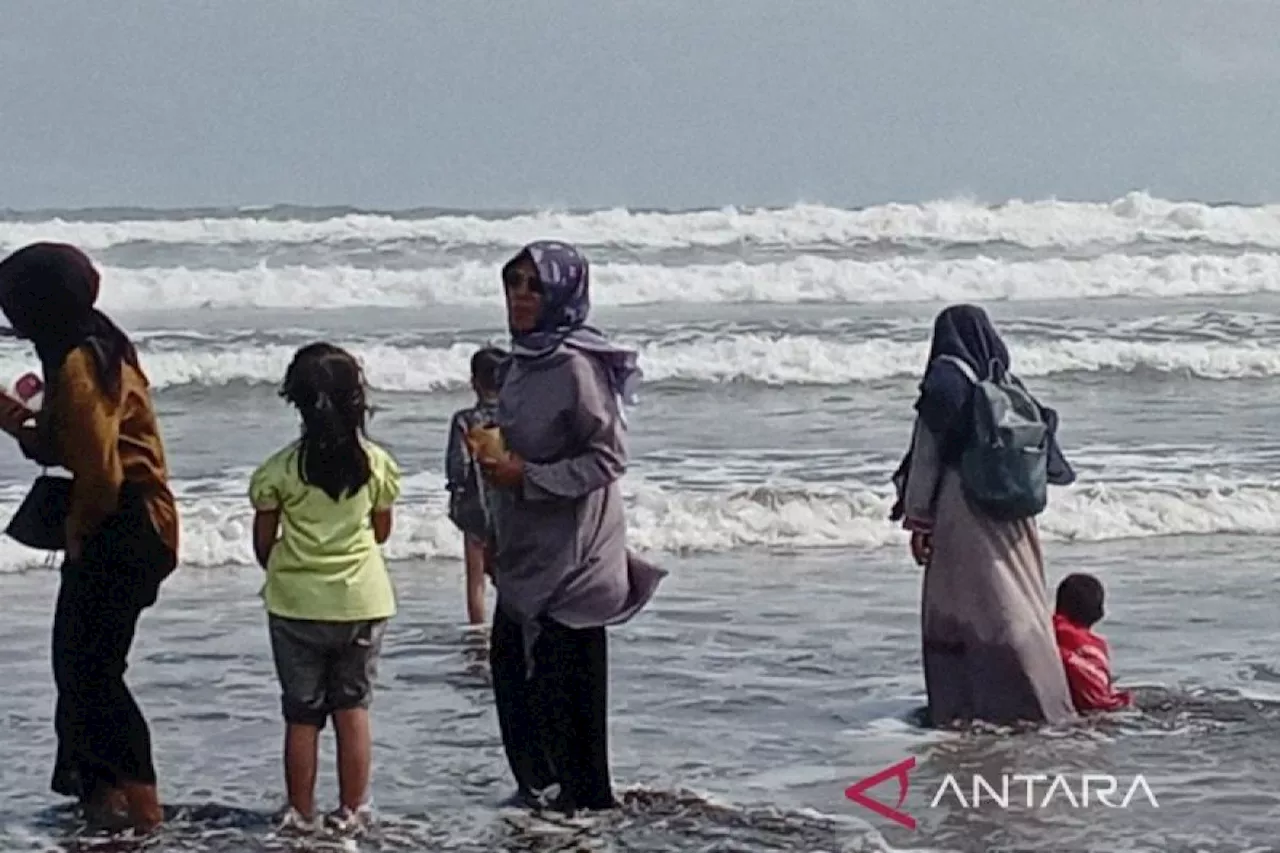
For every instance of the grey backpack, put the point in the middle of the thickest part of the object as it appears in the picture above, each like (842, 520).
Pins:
(1004, 463)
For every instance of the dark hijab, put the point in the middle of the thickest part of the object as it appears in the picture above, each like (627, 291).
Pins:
(48, 290)
(965, 332)
(962, 332)
(565, 280)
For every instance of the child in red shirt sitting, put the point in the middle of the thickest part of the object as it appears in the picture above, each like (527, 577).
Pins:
(1084, 654)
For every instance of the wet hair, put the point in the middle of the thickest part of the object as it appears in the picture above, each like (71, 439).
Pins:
(326, 385)
(1080, 599)
(484, 367)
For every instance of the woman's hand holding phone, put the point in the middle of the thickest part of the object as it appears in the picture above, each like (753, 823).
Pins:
(13, 414)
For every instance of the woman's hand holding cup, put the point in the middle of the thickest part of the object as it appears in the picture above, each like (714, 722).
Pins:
(501, 466)
(486, 442)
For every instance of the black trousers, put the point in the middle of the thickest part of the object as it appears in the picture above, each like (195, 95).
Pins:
(103, 739)
(555, 724)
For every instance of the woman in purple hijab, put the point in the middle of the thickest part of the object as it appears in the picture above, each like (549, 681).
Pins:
(563, 571)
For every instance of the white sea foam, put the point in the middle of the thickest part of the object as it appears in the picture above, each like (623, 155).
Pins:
(1049, 223)
(803, 279)
(779, 360)
(216, 529)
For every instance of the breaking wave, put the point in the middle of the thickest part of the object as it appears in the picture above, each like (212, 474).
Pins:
(804, 279)
(666, 519)
(1038, 224)
(775, 360)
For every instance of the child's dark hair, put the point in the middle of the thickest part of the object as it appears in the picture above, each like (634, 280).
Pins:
(1080, 599)
(326, 385)
(484, 367)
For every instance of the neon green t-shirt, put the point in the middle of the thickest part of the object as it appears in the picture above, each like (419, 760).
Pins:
(326, 566)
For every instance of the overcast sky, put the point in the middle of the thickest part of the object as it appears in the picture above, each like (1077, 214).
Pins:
(670, 103)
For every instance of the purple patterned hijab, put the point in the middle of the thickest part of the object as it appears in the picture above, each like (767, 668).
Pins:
(566, 302)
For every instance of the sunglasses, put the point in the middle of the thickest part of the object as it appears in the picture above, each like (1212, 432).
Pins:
(512, 279)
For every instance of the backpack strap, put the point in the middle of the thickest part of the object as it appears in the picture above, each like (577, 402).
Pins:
(962, 366)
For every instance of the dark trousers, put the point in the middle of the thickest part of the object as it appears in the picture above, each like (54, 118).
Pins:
(103, 739)
(554, 725)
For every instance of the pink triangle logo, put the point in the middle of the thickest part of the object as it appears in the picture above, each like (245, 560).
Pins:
(857, 792)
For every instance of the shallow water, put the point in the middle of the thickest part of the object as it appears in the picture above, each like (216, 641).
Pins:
(779, 664)
(751, 694)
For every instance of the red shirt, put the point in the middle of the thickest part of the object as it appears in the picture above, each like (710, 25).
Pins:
(1087, 661)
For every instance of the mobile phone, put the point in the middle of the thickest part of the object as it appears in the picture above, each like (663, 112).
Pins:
(28, 386)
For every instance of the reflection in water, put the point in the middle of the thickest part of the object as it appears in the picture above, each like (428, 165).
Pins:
(657, 821)
(646, 820)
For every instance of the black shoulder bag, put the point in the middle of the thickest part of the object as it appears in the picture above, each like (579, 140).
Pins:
(41, 519)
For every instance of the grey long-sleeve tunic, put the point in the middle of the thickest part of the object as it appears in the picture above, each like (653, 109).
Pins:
(561, 535)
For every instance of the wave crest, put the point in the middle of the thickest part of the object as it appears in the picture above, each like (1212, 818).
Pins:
(216, 531)
(1134, 217)
(766, 359)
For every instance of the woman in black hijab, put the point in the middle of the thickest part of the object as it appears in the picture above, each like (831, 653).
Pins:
(989, 649)
(121, 530)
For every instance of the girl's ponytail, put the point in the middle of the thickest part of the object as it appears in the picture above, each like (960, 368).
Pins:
(326, 385)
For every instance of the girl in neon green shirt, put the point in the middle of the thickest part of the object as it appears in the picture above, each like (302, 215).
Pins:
(323, 509)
